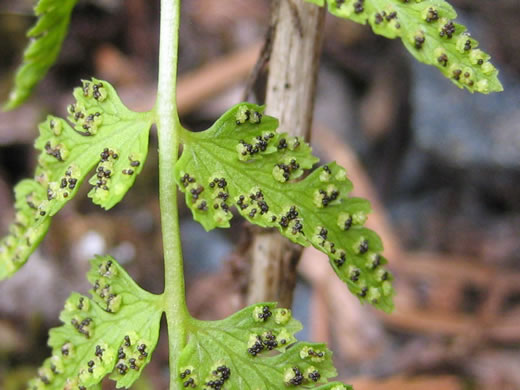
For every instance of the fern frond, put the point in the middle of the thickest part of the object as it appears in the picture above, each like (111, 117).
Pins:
(46, 38)
(104, 133)
(113, 333)
(242, 162)
(427, 29)
(254, 348)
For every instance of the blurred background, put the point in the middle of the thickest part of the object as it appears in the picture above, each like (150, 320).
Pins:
(440, 165)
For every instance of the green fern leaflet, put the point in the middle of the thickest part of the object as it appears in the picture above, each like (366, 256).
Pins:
(428, 31)
(113, 333)
(254, 348)
(46, 38)
(104, 134)
(242, 162)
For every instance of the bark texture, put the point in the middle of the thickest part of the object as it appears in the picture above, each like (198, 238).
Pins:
(293, 66)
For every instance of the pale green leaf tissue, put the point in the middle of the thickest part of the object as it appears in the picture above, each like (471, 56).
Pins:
(241, 162)
(45, 40)
(113, 333)
(101, 133)
(254, 348)
(428, 31)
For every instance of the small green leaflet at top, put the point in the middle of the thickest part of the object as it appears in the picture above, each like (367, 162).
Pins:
(427, 30)
(254, 348)
(113, 333)
(105, 134)
(46, 38)
(242, 162)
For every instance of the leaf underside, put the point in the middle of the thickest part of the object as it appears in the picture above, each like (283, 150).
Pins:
(114, 332)
(254, 348)
(242, 162)
(427, 30)
(46, 38)
(105, 134)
